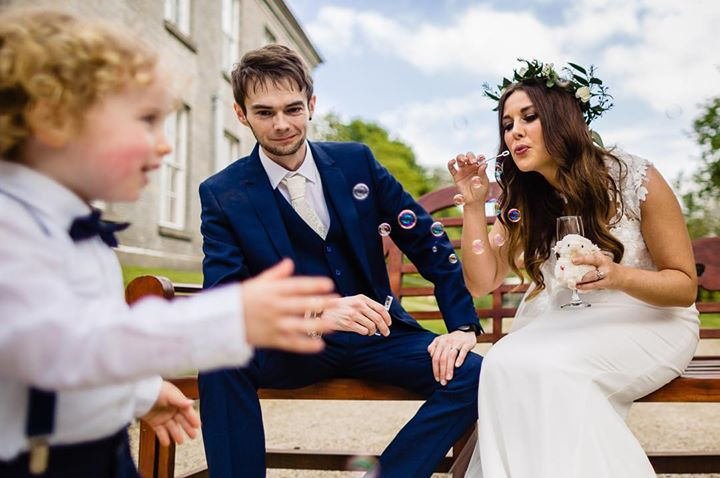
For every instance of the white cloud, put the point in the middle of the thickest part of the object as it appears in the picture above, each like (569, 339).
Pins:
(659, 58)
(655, 50)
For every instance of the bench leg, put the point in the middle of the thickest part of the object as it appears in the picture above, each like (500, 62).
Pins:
(462, 452)
(147, 451)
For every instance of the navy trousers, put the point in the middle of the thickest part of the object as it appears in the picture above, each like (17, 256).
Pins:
(105, 458)
(231, 417)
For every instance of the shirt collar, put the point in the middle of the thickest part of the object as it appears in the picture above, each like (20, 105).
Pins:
(276, 173)
(43, 193)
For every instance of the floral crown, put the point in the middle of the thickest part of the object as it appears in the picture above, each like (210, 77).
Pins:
(591, 93)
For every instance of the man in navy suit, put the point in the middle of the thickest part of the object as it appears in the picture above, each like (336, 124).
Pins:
(321, 204)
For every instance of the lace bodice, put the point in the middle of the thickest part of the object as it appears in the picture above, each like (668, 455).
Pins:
(625, 227)
(626, 224)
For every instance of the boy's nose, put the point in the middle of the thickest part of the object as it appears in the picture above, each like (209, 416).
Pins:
(163, 148)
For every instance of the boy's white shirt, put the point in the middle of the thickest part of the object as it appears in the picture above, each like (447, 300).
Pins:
(64, 324)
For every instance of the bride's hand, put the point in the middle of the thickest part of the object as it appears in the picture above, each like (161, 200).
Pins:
(463, 168)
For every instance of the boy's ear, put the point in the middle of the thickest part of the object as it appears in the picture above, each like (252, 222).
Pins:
(47, 127)
(240, 114)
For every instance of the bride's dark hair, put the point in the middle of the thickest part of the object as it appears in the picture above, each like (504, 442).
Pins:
(586, 187)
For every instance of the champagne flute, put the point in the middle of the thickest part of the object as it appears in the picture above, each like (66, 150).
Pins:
(571, 225)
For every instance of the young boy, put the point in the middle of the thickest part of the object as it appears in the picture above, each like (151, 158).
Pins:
(81, 119)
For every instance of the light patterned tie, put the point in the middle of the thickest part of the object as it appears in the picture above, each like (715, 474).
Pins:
(296, 188)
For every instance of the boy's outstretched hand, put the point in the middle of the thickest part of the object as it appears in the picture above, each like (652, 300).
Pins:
(276, 306)
(171, 415)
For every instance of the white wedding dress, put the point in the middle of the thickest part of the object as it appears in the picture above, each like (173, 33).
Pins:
(554, 393)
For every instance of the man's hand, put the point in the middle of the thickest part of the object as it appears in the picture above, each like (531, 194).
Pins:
(449, 351)
(357, 313)
(172, 414)
(276, 305)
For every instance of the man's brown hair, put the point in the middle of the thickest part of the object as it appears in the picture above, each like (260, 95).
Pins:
(272, 63)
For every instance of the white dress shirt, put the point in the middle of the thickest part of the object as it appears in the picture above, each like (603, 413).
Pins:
(313, 186)
(64, 324)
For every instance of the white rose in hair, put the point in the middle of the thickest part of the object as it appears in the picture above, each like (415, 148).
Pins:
(522, 71)
(571, 246)
(583, 93)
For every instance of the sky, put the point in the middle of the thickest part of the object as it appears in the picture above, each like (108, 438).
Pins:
(417, 67)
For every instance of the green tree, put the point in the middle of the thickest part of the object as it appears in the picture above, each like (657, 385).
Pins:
(706, 129)
(395, 155)
(702, 203)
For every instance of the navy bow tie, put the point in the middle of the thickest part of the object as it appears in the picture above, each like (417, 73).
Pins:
(86, 227)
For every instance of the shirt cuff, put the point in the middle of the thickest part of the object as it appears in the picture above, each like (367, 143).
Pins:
(147, 392)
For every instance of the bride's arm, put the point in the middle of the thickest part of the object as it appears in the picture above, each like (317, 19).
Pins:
(665, 234)
(484, 263)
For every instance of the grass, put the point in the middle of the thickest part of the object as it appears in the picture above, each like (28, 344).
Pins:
(411, 304)
(710, 321)
(188, 277)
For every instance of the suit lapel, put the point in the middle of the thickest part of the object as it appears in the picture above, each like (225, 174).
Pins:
(340, 193)
(261, 195)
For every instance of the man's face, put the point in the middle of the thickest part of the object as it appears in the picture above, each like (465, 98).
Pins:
(278, 116)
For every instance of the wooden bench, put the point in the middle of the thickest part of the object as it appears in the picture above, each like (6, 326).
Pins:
(699, 383)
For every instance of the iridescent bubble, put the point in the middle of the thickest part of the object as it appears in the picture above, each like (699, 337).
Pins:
(460, 122)
(499, 240)
(407, 219)
(437, 229)
(434, 248)
(674, 111)
(498, 170)
(459, 200)
(452, 258)
(384, 229)
(476, 182)
(514, 215)
(361, 191)
(362, 463)
(478, 247)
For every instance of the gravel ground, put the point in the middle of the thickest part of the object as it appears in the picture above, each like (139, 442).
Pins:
(367, 427)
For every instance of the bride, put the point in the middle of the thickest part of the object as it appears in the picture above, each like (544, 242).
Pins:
(554, 393)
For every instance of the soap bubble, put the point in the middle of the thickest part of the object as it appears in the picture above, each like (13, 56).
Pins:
(434, 248)
(674, 111)
(478, 247)
(499, 240)
(365, 463)
(361, 191)
(384, 229)
(476, 182)
(452, 258)
(407, 219)
(437, 229)
(514, 215)
(459, 200)
(460, 122)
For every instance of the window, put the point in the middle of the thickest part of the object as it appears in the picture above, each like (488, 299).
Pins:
(229, 150)
(173, 172)
(177, 12)
(269, 36)
(231, 33)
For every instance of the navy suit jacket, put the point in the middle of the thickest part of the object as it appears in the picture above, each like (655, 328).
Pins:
(244, 234)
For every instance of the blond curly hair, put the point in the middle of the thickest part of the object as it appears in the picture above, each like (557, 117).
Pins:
(66, 62)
